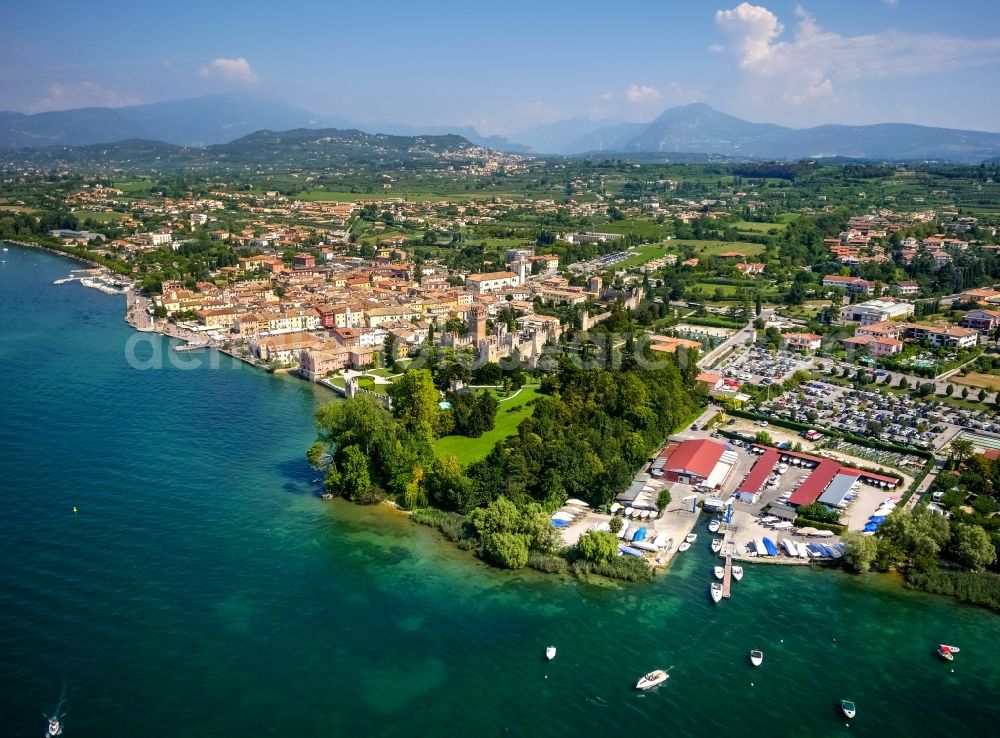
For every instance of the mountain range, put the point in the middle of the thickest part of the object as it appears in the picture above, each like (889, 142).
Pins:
(688, 129)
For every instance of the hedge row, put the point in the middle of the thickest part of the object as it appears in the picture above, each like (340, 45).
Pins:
(835, 527)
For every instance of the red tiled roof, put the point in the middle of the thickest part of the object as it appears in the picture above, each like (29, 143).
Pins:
(693, 457)
(815, 483)
(759, 473)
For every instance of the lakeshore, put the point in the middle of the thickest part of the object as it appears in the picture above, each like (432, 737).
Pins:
(202, 585)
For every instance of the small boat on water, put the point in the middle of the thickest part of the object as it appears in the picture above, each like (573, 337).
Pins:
(684, 546)
(737, 573)
(716, 592)
(652, 679)
(847, 707)
(756, 657)
(720, 572)
(948, 652)
(550, 652)
(716, 545)
(54, 727)
(691, 537)
(713, 526)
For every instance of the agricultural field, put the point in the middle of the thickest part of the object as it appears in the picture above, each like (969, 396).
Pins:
(762, 228)
(714, 248)
(976, 379)
(470, 450)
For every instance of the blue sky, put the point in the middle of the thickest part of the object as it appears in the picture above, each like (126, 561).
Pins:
(507, 66)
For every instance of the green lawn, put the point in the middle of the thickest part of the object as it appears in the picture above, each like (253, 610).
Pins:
(469, 450)
(752, 227)
(714, 248)
(641, 255)
(369, 384)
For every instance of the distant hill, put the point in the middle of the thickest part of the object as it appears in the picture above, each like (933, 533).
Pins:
(299, 147)
(201, 121)
(699, 128)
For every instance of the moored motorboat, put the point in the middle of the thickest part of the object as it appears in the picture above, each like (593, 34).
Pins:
(684, 546)
(737, 572)
(948, 652)
(652, 679)
(550, 652)
(54, 728)
(716, 545)
(691, 537)
(720, 572)
(713, 526)
(716, 592)
(847, 707)
(756, 657)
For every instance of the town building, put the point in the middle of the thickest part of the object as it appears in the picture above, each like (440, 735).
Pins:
(875, 311)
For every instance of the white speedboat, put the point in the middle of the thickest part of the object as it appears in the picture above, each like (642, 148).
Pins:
(550, 652)
(684, 546)
(691, 537)
(54, 728)
(756, 657)
(652, 679)
(737, 573)
(713, 526)
(716, 545)
(720, 572)
(847, 707)
(716, 592)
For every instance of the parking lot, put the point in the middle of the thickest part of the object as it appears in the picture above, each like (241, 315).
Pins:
(763, 366)
(601, 262)
(923, 423)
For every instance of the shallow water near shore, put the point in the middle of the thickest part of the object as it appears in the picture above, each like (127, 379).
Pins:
(202, 589)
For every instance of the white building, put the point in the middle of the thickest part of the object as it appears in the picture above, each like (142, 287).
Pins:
(480, 284)
(875, 311)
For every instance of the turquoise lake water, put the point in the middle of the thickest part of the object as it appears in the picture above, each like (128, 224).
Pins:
(202, 589)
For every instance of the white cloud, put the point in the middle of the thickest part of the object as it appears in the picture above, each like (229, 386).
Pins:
(891, 3)
(237, 69)
(812, 65)
(642, 94)
(65, 96)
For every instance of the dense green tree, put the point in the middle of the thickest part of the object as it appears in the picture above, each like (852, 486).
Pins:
(973, 547)
(598, 547)
(860, 551)
(415, 402)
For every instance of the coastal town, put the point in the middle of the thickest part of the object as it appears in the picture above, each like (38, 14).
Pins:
(800, 350)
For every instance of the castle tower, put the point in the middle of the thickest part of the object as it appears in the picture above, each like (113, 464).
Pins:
(594, 284)
(477, 324)
(522, 268)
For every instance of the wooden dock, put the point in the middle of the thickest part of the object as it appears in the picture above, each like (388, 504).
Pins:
(727, 580)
